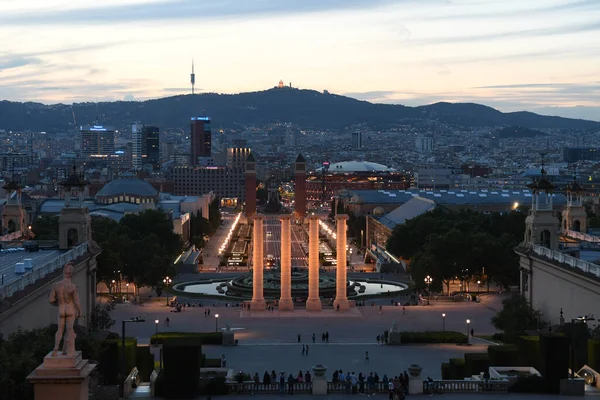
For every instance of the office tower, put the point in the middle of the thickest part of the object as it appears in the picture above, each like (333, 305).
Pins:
(424, 144)
(357, 140)
(200, 140)
(96, 140)
(150, 146)
(250, 185)
(136, 146)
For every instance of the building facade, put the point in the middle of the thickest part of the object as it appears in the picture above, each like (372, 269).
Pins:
(97, 141)
(151, 147)
(200, 140)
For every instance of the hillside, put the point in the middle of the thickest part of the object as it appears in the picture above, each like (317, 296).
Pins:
(305, 108)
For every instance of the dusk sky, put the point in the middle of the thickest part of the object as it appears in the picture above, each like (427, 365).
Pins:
(537, 55)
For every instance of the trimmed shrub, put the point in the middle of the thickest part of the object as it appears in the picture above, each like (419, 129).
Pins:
(145, 362)
(529, 351)
(476, 363)
(503, 356)
(108, 362)
(182, 371)
(529, 384)
(554, 350)
(433, 337)
(187, 338)
(130, 354)
(594, 354)
(211, 362)
(454, 369)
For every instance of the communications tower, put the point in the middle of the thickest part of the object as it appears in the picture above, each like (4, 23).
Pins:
(193, 77)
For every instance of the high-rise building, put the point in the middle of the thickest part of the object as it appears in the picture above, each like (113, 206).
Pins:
(357, 140)
(424, 144)
(136, 146)
(200, 140)
(150, 146)
(300, 188)
(97, 140)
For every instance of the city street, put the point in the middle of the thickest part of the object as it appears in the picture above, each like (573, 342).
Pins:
(272, 236)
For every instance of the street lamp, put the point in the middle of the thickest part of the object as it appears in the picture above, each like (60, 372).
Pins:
(428, 280)
(468, 322)
(479, 286)
(216, 322)
(167, 281)
(443, 322)
(156, 324)
(123, 366)
(127, 286)
(114, 285)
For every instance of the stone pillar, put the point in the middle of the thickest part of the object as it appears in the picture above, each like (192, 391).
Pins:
(62, 377)
(285, 301)
(258, 300)
(313, 303)
(341, 299)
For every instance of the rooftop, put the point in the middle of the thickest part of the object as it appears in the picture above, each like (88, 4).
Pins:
(121, 186)
(357, 166)
(449, 197)
(409, 210)
(8, 259)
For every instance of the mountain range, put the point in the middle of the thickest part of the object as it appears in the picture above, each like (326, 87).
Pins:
(304, 108)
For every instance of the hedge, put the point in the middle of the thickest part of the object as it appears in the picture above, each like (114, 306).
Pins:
(145, 362)
(181, 371)
(476, 363)
(130, 354)
(504, 356)
(211, 363)
(433, 337)
(187, 338)
(529, 351)
(454, 370)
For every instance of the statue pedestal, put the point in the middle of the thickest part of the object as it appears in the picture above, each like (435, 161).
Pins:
(228, 338)
(395, 338)
(258, 305)
(62, 377)
(319, 387)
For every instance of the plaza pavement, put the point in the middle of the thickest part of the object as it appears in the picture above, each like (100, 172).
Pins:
(268, 340)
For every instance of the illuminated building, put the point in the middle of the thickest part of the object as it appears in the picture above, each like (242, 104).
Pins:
(200, 140)
(97, 140)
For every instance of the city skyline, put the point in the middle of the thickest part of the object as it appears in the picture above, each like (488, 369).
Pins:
(511, 56)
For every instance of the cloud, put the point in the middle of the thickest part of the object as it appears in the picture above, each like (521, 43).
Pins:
(17, 61)
(182, 9)
(372, 95)
(529, 33)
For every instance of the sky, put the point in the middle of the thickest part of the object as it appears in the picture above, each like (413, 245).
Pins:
(535, 55)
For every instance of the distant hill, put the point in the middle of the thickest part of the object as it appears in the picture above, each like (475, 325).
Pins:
(518, 132)
(305, 108)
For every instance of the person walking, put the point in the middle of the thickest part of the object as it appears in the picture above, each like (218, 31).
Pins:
(303, 350)
(299, 338)
(223, 361)
(306, 349)
(472, 332)
(327, 336)
(314, 337)
(366, 357)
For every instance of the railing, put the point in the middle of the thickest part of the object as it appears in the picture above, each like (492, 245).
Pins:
(583, 236)
(130, 382)
(37, 273)
(251, 387)
(566, 259)
(342, 387)
(463, 386)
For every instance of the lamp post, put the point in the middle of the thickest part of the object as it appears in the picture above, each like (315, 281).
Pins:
(468, 322)
(156, 324)
(479, 286)
(428, 280)
(167, 281)
(123, 365)
(443, 322)
(114, 285)
(216, 322)
(127, 288)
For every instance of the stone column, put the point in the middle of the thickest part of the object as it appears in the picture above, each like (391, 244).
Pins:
(341, 299)
(258, 300)
(313, 303)
(285, 301)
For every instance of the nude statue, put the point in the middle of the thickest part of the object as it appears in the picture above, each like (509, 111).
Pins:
(64, 295)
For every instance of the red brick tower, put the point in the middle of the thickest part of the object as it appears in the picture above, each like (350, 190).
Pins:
(250, 174)
(300, 188)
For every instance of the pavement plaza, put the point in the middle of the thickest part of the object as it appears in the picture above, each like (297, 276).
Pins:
(268, 340)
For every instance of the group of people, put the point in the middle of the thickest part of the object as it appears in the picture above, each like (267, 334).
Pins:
(324, 338)
(273, 381)
(369, 384)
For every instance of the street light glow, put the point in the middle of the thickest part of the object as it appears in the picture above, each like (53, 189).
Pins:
(228, 237)
(443, 315)
(468, 321)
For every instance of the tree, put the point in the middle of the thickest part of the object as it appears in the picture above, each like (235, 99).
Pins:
(45, 227)
(516, 317)
(100, 319)
(106, 233)
(214, 214)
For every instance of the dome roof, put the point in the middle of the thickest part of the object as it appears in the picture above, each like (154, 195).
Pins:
(358, 166)
(135, 187)
(378, 211)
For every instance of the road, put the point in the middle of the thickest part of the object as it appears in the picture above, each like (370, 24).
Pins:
(272, 235)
